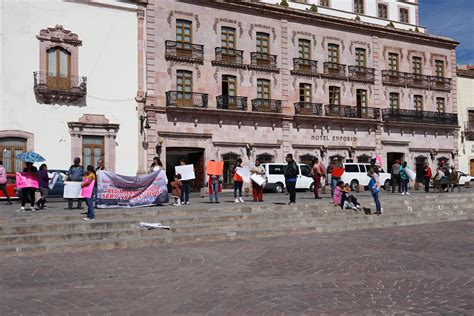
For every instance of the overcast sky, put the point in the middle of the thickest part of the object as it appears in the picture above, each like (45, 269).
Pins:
(452, 18)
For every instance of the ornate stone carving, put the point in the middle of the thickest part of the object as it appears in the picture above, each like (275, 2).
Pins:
(294, 83)
(274, 34)
(241, 74)
(198, 24)
(293, 37)
(170, 15)
(241, 29)
(58, 34)
(214, 27)
(251, 31)
(198, 70)
(275, 80)
(216, 73)
(315, 41)
(352, 88)
(370, 91)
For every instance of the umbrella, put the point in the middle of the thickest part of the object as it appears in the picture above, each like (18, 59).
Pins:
(30, 156)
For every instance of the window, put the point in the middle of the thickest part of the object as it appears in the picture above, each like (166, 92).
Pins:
(359, 6)
(393, 62)
(404, 15)
(334, 95)
(439, 68)
(276, 169)
(360, 57)
(305, 92)
(229, 160)
(10, 147)
(352, 168)
(418, 102)
(263, 89)
(265, 158)
(229, 87)
(304, 49)
(361, 101)
(333, 53)
(324, 3)
(184, 34)
(263, 43)
(306, 159)
(417, 65)
(440, 105)
(363, 159)
(58, 68)
(92, 149)
(382, 11)
(228, 37)
(305, 171)
(184, 85)
(394, 101)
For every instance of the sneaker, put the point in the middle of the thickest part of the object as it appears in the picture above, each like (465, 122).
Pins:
(236, 200)
(182, 203)
(88, 219)
(22, 209)
(378, 213)
(33, 209)
(241, 200)
(403, 193)
(407, 193)
(187, 203)
(292, 203)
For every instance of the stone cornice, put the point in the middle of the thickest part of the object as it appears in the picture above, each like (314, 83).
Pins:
(465, 73)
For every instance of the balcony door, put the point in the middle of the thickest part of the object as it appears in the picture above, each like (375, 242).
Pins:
(184, 38)
(263, 89)
(305, 92)
(184, 88)
(263, 49)
(58, 65)
(228, 44)
(229, 91)
(361, 101)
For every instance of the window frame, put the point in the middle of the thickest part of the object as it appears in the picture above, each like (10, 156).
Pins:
(359, 7)
(385, 6)
(333, 53)
(393, 60)
(417, 67)
(305, 92)
(263, 84)
(231, 81)
(402, 17)
(439, 69)
(361, 94)
(441, 101)
(325, 3)
(262, 41)
(181, 26)
(226, 31)
(334, 95)
(12, 164)
(358, 55)
(93, 158)
(418, 102)
(394, 96)
(183, 95)
(304, 48)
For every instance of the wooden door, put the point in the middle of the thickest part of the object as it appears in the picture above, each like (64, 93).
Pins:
(198, 159)
(472, 167)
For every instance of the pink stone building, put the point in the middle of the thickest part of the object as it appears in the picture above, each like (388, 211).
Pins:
(228, 79)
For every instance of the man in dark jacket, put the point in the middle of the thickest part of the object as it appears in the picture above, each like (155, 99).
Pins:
(291, 174)
(395, 176)
(75, 174)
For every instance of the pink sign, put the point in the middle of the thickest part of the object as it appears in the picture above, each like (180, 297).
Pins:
(26, 180)
(87, 191)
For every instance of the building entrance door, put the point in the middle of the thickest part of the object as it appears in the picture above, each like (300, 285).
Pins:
(472, 167)
(392, 157)
(193, 156)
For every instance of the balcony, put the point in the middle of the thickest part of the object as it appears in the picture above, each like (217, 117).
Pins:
(54, 88)
(361, 74)
(266, 105)
(308, 108)
(425, 117)
(305, 67)
(417, 81)
(263, 62)
(333, 70)
(469, 130)
(393, 78)
(440, 83)
(184, 52)
(347, 111)
(227, 102)
(229, 57)
(186, 99)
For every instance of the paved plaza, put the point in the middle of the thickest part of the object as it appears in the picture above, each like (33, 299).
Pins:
(405, 270)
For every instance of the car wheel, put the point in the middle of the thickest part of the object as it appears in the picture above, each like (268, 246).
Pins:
(311, 187)
(279, 188)
(354, 185)
(386, 184)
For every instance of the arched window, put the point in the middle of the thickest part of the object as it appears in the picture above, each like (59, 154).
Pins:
(307, 159)
(363, 158)
(265, 158)
(10, 147)
(229, 160)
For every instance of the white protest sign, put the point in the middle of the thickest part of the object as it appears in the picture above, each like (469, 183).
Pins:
(244, 173)
(411, 174)
(186, 172)
(72, 190)
(53, 180)
(258, 179)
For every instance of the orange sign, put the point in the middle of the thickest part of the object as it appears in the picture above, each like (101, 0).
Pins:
(215, 168)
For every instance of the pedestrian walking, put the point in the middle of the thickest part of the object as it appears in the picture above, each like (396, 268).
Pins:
(215, 186)
(395, 176)
(405, 178)
(89, 180)
(3, 182)
(43, 183)
(374, 189)
(291, 174)
(318, 173)
(75, 174)
(238, 182)
(257, 190)
(427, 177)
(29, 193)
(454, 179)
(176, 189)
(336, 174)
(186, 187)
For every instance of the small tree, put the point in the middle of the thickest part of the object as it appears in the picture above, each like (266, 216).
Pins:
(417, 29)
(284, 3)
(391, 24)
(357, 18)
(313, 8)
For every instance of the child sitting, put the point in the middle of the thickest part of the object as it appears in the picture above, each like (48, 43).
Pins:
(176, 189)
(348, 200)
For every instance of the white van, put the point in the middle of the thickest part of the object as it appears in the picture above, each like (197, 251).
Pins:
(356, 174)
(276, 177)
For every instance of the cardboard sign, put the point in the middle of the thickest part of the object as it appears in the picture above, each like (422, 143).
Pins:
(25, 180)
(72, 190)
(214, 168)
(54, 179)
(258, 179)
(410, 173)
(186, 172)
(86, 192)
(244, 173)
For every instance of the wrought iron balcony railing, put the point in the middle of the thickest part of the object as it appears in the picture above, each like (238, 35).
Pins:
(417, 81)
(266, 105)
(227, 102)
(392, 77)
(413, 116)
(302, 66)
(263, 61)
(359, 73)
(440, 83)
(469, 130)
(334, 70)
(59, 88)
(308, 108)
(187, 52)
(229, 57)
(186, 99)
(347, 111)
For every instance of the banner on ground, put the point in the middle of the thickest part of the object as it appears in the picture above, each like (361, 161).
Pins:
(117, 191)
(25, 180)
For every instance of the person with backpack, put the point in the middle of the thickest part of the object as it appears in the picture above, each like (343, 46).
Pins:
(75, 174)
(291, 174)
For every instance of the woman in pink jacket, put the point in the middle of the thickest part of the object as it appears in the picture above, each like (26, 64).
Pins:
(337, 196)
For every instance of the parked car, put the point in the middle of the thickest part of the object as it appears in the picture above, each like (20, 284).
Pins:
(276, 178)
(58, 189)
(463, 178)
(356, 174)
(11, 178)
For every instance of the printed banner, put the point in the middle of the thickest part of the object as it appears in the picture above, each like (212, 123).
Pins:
(117, 191)
(186, 172)
(72, 190)
(25, 180)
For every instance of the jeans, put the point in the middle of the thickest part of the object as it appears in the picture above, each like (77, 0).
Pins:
(238, 187)
(185, 189)
(28, 193)
(316, 183)
(333, 185)
(44, 195)
(291, 188)
(375, 195)
(405, 185)
(3, 188)
(215, 193)
(396, 182)
(427, 184)
(90, 208)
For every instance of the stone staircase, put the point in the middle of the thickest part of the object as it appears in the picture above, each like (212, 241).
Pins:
(45, 232)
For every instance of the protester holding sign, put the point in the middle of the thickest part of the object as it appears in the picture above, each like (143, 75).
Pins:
(214, 170)
(336, 173)
(43, 183)
(257, 188)
(238, 182)
(187, 174)
(87, 189)
(29, 187)
(75, 174)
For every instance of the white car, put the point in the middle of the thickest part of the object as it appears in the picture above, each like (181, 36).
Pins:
(276, 177)
(356, 174)
(463, 178)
